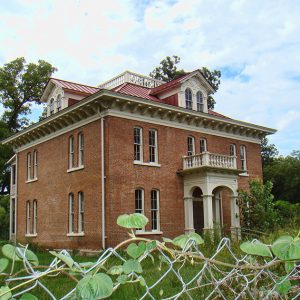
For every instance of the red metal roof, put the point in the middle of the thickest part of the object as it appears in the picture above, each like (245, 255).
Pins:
(77, 87)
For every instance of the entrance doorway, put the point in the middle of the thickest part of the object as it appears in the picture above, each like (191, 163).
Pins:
(198, 210)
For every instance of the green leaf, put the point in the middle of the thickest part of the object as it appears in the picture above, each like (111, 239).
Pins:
(289, 266)
(196, 237)
(87, 264)
(132, 265)
(99, 286)
(66, 259)
(135, 251)
(132, 221)
(28, 296)
(256, 248)
(29, 255)
(181, 240)
(3, 264)
(167, 240)
(115, 270)
(5, 289)
(284, 286)
(142, 281)
(286, 248)
(122, 279)
(10, 252)
(150, 245)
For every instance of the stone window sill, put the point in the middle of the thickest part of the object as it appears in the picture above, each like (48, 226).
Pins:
(75, 169)
(74, 234)
(31, 180)
(140, 232)
(245, 174)
(31, 235)
(146, 164)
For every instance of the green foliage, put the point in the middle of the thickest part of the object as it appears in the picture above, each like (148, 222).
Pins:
(256, 248)
(268, 152)
(289, 213)
(66, 259)
(3, 264)
(182, 240)
(135, 251)
(4, 216)
(28, 296)
(287, 248)
(132, 221)
(131, 266)
(5, 291)
(167, 71)
(258, 212)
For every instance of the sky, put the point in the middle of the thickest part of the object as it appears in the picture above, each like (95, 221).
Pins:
(254, 43)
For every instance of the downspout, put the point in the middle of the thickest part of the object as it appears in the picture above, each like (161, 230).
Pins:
(102, 181)
(16, 201)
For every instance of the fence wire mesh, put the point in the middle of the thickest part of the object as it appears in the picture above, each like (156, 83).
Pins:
(185, 274)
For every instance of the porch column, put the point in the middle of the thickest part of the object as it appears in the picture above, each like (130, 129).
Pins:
(188, 215)
(208, 211)
(235, 218)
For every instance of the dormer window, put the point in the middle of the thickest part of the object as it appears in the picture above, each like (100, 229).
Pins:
(200, 103)
(51, 106)
(58, 102)
(188, 99)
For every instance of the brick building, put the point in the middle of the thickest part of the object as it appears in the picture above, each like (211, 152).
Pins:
(133, 144)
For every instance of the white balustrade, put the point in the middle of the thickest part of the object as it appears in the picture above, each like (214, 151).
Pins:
(208, 159)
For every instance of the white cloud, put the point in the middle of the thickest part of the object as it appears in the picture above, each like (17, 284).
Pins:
(257, 42)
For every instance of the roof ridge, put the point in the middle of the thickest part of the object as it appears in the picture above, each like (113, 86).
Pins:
(94, 87)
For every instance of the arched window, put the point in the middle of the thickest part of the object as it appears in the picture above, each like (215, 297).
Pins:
(243, 158)
(71, 213)
(29, 166)
(80, 149)
(52, 106)
(155, 210)
(80, 212)
(200, 103)
(58, 102)
(71, 152)
(188, 99)
(232, 150)
(35, 164)
(34, 217)
(28, 229)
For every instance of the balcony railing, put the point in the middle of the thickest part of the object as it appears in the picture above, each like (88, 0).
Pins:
(207, 159)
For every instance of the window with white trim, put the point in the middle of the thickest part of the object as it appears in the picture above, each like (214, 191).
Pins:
(80, 212)
(203, 145)
(71, 213)
(139, 201)
(200, 102)
(28, 219)
(28, 166)
(34, 217)
(155, 210)
(138, 144)
(71, 152)
(35, 164)
(191, 145)
(13, 216)
(80, 149)
(52, 106)
(188, 99)
(232, 150)
(58, 103)
(153, 155)
(13, 174)
(243, 158)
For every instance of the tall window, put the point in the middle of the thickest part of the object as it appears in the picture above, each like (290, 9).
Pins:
(28, 227)
(243, 157)
(139, 201)
(35, 164)
(28, 166)
(13, 174)
(153, 157)
(232, 150)
(155, 209)
(138, 144)
(58, 102)
(80, 212)
(188, 99)
(51, 106)
(71, 152)
(203, 145)
(200, 104)
(80, 149)
(34, 217)
(191, 145)
(71, 213)
(13, 216)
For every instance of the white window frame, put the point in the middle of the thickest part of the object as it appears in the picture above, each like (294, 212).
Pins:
(80, 149)
(80, 212)
(58, 103)
(28, 219)
(232, 150)
(203, 145)
(71, 152)
(141, 199)
(34, 217)
(200, 101)
(153, 149)
(188, 98)
(29, 166)
(35, 164)
(13, 174)
(190, 143)
(71, 209)
(155, 211)
(51, 106)
(243, 156)
(138, 145)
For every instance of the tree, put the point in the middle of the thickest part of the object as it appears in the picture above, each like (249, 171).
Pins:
(268, 152)
(22, 84)
(168, 71)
